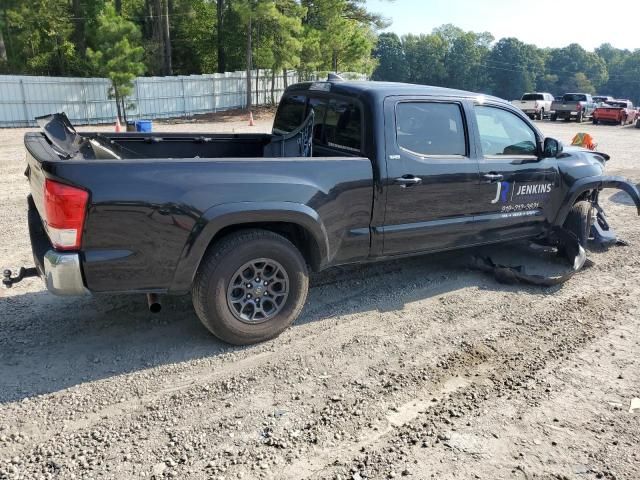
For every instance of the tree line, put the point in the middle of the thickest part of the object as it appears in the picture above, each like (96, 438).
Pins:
(452, 57)
(121, 39)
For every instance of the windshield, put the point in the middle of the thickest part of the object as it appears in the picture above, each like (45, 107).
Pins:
(574, 97)
(532, 96)
(617, 104)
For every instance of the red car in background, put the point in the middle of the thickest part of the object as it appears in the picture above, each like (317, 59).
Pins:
(615, 111)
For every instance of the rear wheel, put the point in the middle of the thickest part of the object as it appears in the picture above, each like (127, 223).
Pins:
(579, 221)
(250, 287)
(594, 120)
(623, 121)
(554, 117)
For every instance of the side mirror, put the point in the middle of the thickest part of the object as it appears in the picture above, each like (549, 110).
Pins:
(552, 148)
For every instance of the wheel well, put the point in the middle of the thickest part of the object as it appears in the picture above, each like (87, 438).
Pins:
(296, 234)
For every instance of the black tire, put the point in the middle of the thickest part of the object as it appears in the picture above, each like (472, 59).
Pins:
(541, 115)
(580, 118)
(594, 120)
(579, 221)
(623, 121)
(219, 268)
(554, 117)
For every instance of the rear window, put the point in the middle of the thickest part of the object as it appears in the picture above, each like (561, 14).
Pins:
(533, 96)
(290, 113)
(343, 126)
(319, 107)
(574, 97)
(430, 129)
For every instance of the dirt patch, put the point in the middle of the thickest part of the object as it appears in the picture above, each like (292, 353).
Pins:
(419, 368)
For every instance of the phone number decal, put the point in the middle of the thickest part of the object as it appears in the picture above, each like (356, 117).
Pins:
(522, 207)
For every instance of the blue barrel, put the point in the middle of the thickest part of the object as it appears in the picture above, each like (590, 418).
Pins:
(144, 126)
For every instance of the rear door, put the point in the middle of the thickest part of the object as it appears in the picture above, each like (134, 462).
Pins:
(431, 175)
(517, 188)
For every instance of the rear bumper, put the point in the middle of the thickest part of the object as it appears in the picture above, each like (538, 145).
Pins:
(61, 271)
(566, 114)
(63, 274)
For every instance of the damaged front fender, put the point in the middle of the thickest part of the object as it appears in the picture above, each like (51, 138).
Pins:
(598, 183)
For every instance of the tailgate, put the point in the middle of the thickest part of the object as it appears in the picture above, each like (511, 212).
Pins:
(609, 112)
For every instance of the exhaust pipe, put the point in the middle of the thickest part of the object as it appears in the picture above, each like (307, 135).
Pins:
(154, 302)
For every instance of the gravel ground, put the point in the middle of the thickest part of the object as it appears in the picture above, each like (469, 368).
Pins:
(417, 368)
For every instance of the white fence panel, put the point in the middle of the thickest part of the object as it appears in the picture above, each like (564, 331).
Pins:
(86, 100)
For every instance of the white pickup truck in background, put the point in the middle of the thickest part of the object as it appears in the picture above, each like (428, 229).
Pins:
(535, 105)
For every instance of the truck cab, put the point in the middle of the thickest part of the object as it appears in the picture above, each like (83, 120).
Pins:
(448, 165)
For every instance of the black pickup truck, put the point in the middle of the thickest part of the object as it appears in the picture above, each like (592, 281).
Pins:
(352, 172)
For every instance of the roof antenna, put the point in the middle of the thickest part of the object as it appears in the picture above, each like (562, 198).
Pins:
(334, 77)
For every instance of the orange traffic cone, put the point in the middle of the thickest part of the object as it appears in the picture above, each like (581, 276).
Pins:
(118, 127)
(251, 122)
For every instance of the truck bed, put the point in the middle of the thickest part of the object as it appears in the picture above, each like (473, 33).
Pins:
(146, 214)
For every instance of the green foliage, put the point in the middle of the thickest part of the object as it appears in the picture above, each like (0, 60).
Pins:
(425, 56)
(50, 37)
(514, 68)
(37, 35)
(392, 63)
(118, 54)
(451, 57)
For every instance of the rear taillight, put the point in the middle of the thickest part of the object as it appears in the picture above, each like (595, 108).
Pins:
(65, 208)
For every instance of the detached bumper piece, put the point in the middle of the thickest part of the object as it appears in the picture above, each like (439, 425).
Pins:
(571, 249)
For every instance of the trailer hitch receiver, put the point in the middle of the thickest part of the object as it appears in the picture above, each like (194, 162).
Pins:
(8, 280)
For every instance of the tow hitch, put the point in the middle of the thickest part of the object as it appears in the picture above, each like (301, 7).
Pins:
(8, 280)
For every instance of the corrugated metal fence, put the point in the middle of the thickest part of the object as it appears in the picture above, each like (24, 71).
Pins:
(86, 101)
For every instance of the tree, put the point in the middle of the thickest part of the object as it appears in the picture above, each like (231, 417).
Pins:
(3, 48)
(568, 61)
(340, 35)
(118, 55)
(220, 15)
(464, 61)
(425, 55)
(392, 62)
(513, 68)
(40, 32)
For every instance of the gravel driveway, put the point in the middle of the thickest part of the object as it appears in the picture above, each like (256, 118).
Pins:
(417, 368)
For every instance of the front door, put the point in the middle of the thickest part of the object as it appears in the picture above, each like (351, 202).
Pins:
(431, 176)
(517, 187)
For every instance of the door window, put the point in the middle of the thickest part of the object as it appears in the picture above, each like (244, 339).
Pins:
(504, 134)
(290, 114)
(430, 129)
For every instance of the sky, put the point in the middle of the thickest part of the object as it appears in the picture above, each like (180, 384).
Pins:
(587, 22)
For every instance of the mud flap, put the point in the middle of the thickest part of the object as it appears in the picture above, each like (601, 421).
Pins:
(572, 250)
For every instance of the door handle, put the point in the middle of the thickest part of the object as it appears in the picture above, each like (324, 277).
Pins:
(407, 181)
(494, 177)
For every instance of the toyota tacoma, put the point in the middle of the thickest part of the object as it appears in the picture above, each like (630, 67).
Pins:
(352, 172)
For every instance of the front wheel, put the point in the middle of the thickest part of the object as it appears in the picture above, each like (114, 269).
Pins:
(541, 115)
(250, 287)
(580, 118)
(579, 221)
(554, 117)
